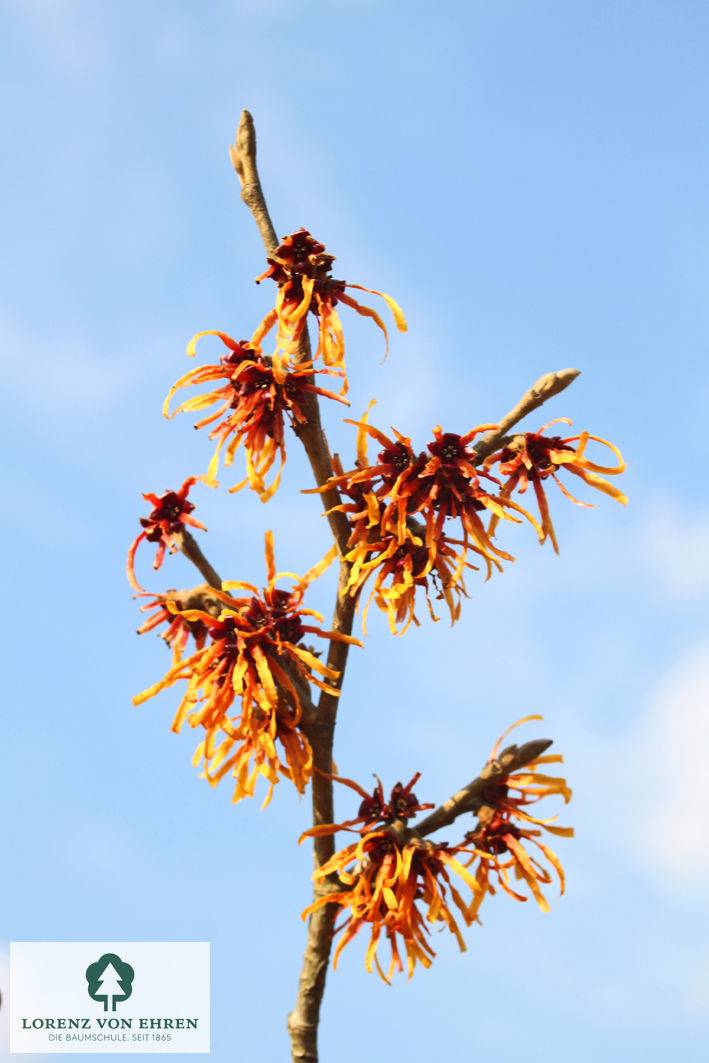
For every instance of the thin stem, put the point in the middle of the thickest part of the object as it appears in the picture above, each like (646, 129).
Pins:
(545, 388)
(189, 546)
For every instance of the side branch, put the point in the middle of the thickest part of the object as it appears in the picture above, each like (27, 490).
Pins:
(510, 760)
(189, 546)
(545, 388)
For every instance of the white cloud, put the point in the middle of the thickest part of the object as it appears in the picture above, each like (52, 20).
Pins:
(665, 777)
(674, 546)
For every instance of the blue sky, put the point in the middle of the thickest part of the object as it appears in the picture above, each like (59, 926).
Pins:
(528, 179)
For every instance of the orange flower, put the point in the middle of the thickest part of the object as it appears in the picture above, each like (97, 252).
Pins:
(499, 841)
(178, 628)
(171, 512)
(254, 753)
(255, 656)
(301, 269)
(533, 458)
(402, 568)
(258, 396)
(395, 887)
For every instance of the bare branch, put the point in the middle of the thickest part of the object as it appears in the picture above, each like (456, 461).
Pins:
(303, 1020)
(189, 546)
(243, 158)
(545, 388)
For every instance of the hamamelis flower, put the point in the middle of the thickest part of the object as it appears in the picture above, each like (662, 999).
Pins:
(178, 630)
(396, 888)
(400, 569)
(374, 808)
(258, 396)
(533, 458)
(255, 658)
(254, 753)
(301, 267)
(506, 830)
(439, 484)
(170, 513)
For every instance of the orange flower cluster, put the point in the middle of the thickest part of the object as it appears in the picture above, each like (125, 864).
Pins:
(171, 512)
(385, 499)
(386, 882)
(301, 267)
(398, 884)
(254, 659)
(533, 458)
(499, 842)
(258, 395)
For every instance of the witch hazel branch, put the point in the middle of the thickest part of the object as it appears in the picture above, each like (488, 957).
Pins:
(412, 525)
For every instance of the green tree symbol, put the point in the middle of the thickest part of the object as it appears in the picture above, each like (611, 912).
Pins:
(110, 980)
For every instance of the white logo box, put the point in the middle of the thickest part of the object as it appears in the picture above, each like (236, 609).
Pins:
(163, 1006)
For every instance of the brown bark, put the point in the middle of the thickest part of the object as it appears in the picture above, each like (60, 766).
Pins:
(189, 546)
(545, 388)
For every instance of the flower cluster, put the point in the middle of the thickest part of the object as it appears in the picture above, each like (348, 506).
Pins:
(171, 512)
(397, 883)
(384, 500)
(387, 882)
(301, 267)
(533, 458)
(258, 396)
(243, 688)
(505, 826)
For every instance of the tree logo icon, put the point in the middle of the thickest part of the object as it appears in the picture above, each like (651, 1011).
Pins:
(110, 980)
